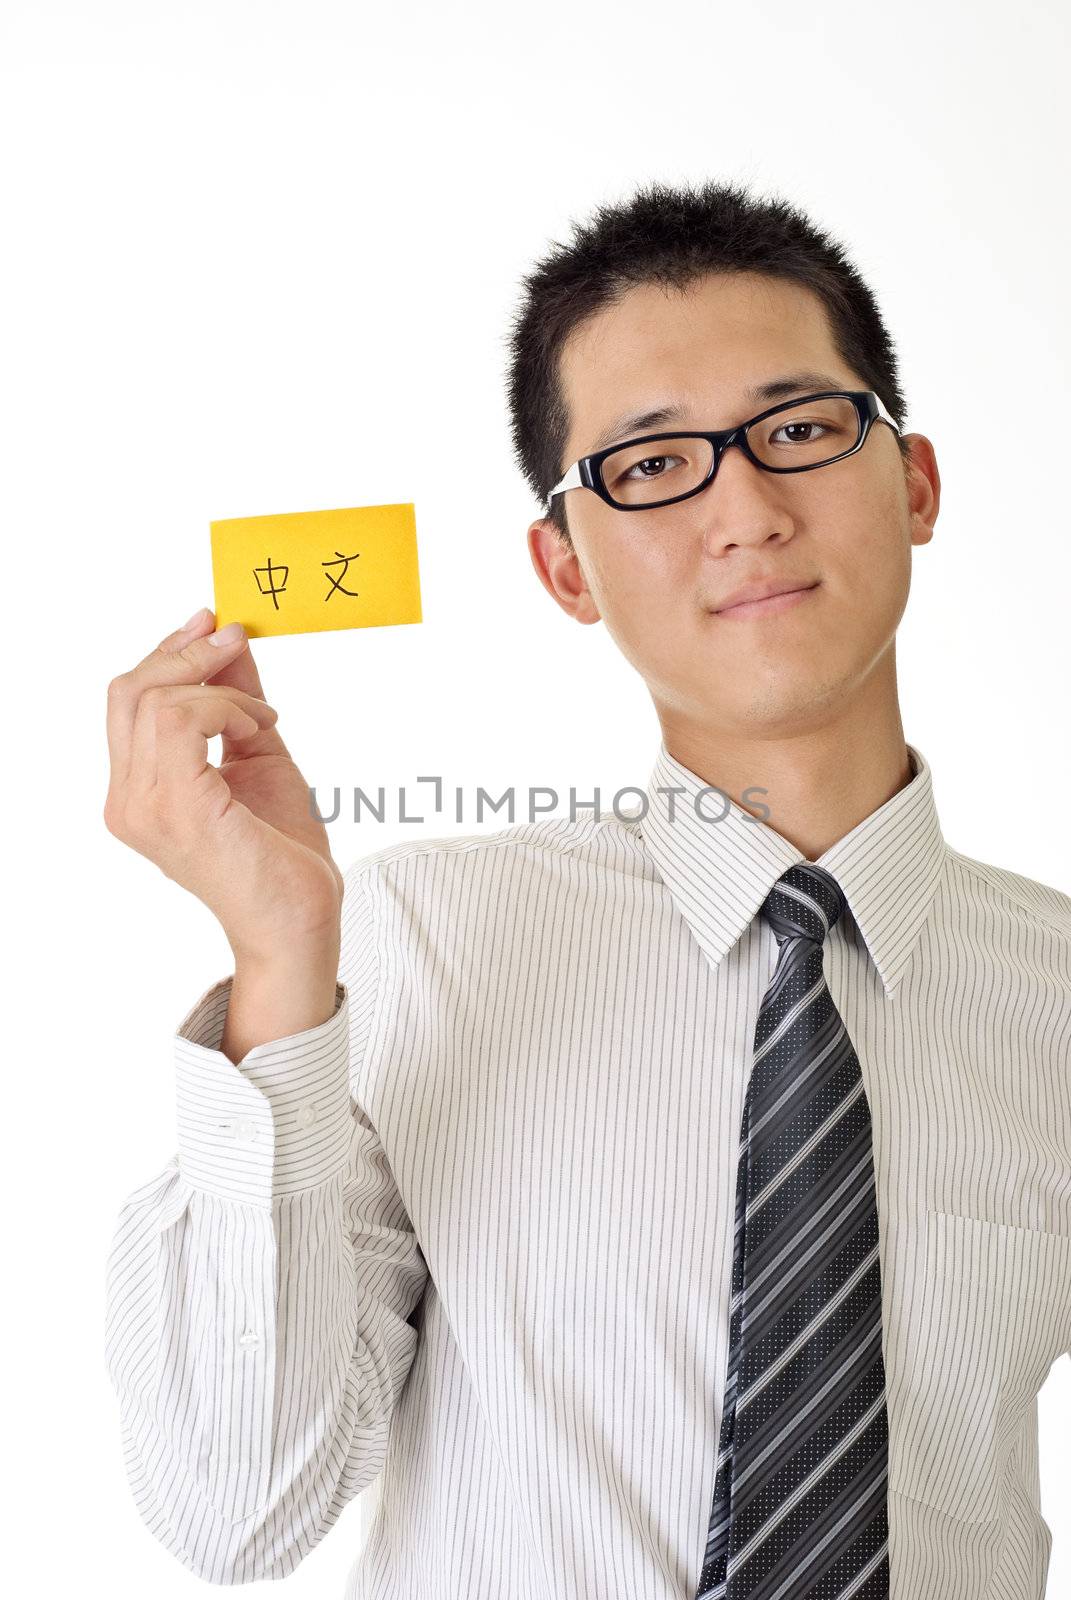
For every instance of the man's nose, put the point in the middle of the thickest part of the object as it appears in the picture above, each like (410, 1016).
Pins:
(743, 505)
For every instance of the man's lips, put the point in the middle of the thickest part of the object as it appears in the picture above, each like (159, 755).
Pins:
(767, 605)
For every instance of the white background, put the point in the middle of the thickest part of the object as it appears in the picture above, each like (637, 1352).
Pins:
(261, 258)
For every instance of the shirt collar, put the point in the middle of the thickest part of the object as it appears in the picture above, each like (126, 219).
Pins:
(719, 873)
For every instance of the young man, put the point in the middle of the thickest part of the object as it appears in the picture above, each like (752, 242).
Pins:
(672, 1203)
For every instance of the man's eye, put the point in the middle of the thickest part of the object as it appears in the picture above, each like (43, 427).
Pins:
(649, 461)
(800, 432)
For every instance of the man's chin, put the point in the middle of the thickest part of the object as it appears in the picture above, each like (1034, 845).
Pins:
(757, 696)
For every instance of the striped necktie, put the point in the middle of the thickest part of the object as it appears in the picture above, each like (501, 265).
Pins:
(799, 1509)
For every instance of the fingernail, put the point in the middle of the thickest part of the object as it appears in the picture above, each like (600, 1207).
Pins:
(197, 617)
(227, 635)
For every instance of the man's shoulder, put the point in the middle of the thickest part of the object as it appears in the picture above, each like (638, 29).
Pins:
(1031, 900)
(539, 843)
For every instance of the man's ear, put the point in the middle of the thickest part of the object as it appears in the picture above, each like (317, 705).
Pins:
(923, 486)
(560, 572)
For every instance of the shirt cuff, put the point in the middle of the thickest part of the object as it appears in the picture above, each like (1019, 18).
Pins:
(275, 1125)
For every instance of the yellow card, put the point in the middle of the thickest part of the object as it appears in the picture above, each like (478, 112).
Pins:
(304, 571)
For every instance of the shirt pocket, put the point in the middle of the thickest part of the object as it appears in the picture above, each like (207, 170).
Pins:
(984, 1322)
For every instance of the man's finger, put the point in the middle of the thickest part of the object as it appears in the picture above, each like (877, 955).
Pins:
(171, 746)
(200, 624)
(240, 672)
(184, 656)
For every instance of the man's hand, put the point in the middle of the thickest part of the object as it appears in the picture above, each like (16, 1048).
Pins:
(241, 837)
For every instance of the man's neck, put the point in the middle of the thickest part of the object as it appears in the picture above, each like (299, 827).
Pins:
(811, 787)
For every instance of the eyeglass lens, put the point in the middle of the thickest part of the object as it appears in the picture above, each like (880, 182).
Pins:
(806, 435)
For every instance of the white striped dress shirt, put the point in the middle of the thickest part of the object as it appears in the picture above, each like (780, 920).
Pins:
(474, 1232)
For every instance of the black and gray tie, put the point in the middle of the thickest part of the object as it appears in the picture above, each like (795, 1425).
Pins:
(799, 1509)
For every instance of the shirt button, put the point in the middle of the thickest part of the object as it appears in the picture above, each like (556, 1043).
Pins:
(245, 1129)
(249, 1338)
(306, 1115)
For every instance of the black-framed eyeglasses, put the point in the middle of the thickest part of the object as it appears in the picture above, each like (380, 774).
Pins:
(796, 436)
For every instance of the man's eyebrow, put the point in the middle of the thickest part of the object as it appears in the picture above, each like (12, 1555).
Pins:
(637, 422)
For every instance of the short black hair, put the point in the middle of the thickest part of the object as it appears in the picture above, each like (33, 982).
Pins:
(673, 235)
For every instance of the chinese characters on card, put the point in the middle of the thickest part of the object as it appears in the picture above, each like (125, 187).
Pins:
(305, 571)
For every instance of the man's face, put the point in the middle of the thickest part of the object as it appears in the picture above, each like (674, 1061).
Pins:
(660, 579)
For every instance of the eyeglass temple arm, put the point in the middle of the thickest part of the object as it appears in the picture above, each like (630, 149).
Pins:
(572, 478)
(884, 415)
(570, 481)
